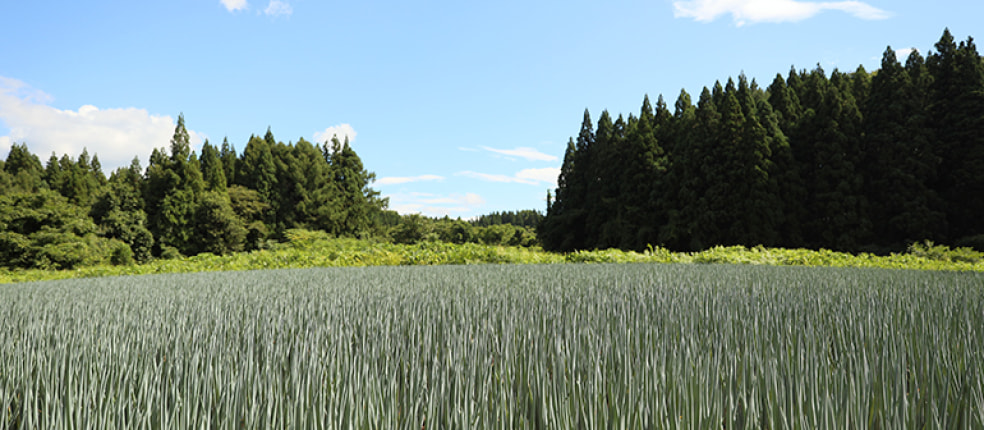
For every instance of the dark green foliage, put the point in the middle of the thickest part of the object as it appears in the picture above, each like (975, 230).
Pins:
(525, 218)
(22, 171)
(251, 210)
(846, 161)
(67, 213)
(218, 230)
(956, 112)
(416, 228)
(44, 230)
(78, 180)
(171, 191)
(121, 255)
(229, 161)
(213, 172)
(351, 205)
(900, 163)
(119, 212)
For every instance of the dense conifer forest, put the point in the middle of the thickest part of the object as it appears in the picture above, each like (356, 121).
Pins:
(859, 161)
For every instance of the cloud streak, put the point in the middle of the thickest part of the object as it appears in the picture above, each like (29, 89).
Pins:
(116, 135)
(756, 11)
(525, 153)
(542, 176)
(395, 180)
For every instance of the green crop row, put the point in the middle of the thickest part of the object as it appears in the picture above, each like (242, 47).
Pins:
(640, 346)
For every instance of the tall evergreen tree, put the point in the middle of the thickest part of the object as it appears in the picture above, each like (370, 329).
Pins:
(23, 169)
(680, 185)
(213, 172)
(957, 111)
(831, 138)
(258, 171)
(174, 184)
(902, 205)
(355, 204)
(227, 153)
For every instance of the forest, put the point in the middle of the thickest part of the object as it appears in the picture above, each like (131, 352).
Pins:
(859, 161)
(66, 213)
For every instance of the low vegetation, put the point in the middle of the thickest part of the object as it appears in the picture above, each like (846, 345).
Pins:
(306, 249)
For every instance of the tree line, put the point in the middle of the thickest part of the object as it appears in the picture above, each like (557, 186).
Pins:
(851, 161)
(67, 213)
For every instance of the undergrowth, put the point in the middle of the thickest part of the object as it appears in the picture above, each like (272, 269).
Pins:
(317, 249)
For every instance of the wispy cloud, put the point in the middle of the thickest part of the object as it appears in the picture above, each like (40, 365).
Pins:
(525, 153)
(756, 11)
(435, 205)
(394, 180)
(341, 131)
(546, 175)
(278, 8)
(234, 5)
(116, 135)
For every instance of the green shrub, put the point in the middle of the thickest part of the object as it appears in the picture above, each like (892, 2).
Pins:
(122, 255)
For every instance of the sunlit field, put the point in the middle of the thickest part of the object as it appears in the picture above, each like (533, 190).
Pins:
(497, 346)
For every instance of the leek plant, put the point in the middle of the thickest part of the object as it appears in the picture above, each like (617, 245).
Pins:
(642, 346)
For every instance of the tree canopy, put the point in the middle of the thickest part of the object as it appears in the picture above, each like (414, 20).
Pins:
(67, 213)
(852, 161)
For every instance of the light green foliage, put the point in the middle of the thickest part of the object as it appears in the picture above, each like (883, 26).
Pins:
(497, 346)
(305, 248)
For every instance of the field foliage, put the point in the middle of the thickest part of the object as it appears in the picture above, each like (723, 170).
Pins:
(317, 249)
(497, 346)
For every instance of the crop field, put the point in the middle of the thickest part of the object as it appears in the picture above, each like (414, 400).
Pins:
(648, 346)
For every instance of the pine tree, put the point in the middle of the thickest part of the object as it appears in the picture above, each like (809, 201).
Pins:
(679, 186)
(554, 230)
(23, 169)
(566, 231)
(213, 172)
(171, 192)
(695, 222)
(355, 204)
(830, 150)
(895, 149)
(957, 111)
(602, 157)
(258, 171)
(229, 160)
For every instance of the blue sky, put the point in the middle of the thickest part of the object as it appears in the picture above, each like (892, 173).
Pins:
(460, 108)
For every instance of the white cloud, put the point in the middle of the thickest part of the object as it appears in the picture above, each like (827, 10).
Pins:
(435, 205)
(544, 176)
(526, 153)
(394, 180)
(278, 8)
(116, 135)
(755, 11)
(234, 5)
(341, 131)
(903, 54)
